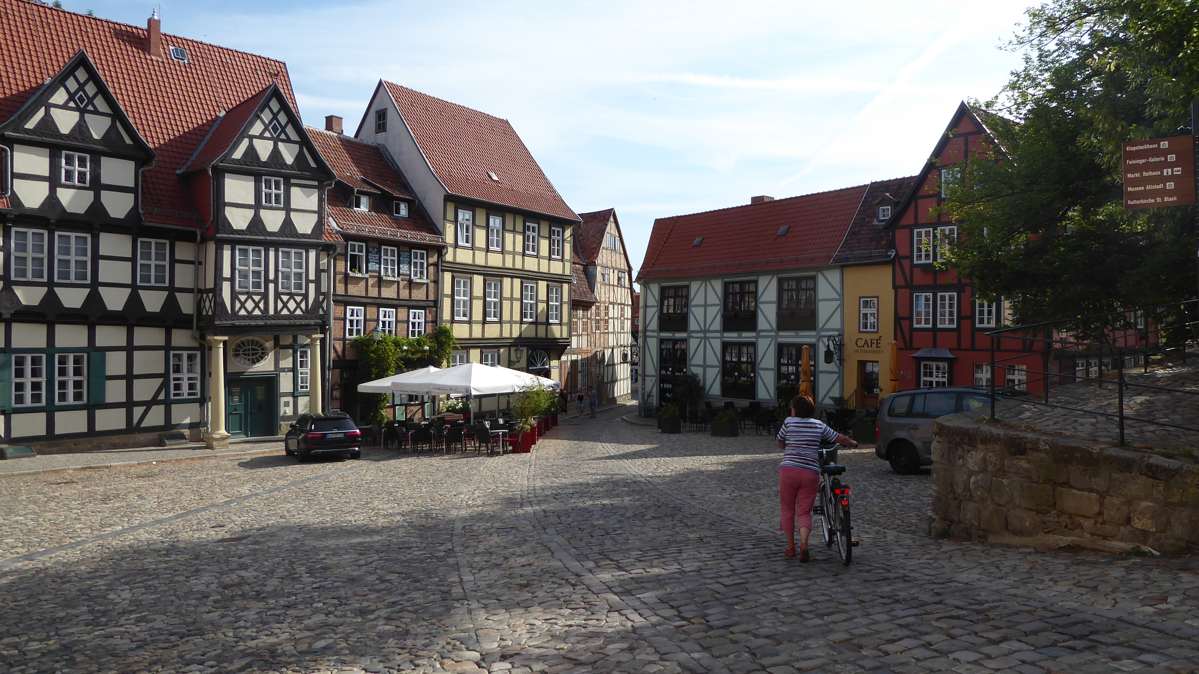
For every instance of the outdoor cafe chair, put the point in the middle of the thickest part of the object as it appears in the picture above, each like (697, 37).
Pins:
(454, 436)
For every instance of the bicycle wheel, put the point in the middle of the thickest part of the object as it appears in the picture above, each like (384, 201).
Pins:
(827, 527)
(843, 535)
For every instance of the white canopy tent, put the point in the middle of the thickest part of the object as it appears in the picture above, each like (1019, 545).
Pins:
(472, 379)
(384, 385)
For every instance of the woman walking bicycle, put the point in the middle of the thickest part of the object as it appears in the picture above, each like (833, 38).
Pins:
(800, 438)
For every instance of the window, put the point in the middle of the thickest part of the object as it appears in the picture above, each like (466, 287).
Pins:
(950, 177)
(867, 314)
(399, 208)
(901, 406)
(355, 321)
(528, 301)
(605, 276)
(922, 310)
(152, 262)
(984, 313)
(459, 358)
(556, 242)
(982, 375)
(420, 268)
(381, 120)
(673, 309)
(790, 357)
(362, 202)
(946, 238)
(611, 241)
(28, 255)
(179, 54)
(797, 303)
(621, 279)
(884, 213)
(531, 236)
(495, 232)
(356, 257)
(249, 269)
(185, 374)
(491, 299)
(672, 361)
(740, 305)
(466, 227)
(72, 257)
(292, 277)
(738, 376)
(461, 299)
(76, 169)
(389, 262)
(1017, 378)
(303, 368)
(387, 321)
(272, 191)
(28, 379)
(939, 404)
(869, 378)
(416, 322)
(555, 304)
(70, 378)
(934, 374)
(922, 248)
(491, 357)
(947, 310)
(1080, 368)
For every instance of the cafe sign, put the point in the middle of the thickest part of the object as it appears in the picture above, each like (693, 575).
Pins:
(1159, 172)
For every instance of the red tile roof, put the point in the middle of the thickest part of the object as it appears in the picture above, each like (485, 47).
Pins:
(580, 289)
(868, 240)
(462, 145)
(353, 162)
(751, 238)
(224, 132)
(360, 165)
(171, 104)
(589, 234)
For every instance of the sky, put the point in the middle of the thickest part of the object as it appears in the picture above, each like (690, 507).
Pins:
(654, 108)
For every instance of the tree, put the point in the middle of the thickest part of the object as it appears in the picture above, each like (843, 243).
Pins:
(1044, 225)
(382, 355)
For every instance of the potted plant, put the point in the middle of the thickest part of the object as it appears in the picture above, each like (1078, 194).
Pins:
(525, 408)
(668, 419)
(524, 437)
(726, 424)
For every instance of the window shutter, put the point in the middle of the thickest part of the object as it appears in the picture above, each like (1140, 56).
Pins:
(97, 373)
(5, 382)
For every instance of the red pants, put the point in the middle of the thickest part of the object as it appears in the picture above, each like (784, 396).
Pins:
(797, 492)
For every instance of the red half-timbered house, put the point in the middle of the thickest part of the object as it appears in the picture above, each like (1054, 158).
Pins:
(940, 325)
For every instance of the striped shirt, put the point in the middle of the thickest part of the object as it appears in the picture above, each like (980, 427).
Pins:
(802, 437)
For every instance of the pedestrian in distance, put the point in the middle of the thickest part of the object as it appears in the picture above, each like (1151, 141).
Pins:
(579, 404)
(592, 402)
(800, 438)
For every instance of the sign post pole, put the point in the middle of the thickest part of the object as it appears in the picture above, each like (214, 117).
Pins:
(1195, 209)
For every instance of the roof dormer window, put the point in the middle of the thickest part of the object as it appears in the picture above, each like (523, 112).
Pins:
(884, 213)
(179, 54)
(399, 208)
(362, 202)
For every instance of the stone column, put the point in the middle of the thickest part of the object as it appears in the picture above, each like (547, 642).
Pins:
(315, 393)
(217, 437)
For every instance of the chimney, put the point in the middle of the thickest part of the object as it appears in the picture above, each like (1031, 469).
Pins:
(154, 35)
(760, 199)
(333, 124)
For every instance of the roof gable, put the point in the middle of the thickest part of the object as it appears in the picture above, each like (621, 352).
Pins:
(589, 235)
(360, 165)
(465, 148)
(785, 234)
(580, 287)
(867, 240)
(76, 108)
(260, 132)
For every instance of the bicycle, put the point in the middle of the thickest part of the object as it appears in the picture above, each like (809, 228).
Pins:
(832, 505)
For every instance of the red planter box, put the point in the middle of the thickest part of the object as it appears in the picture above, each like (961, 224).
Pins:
(522, 443)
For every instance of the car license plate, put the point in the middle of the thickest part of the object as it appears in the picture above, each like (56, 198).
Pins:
(335, 436)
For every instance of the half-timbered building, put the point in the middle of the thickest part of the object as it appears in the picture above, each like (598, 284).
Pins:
(505, 274)
(599, 246)
(385, 274)
(160, 201)
(732, 295)
(578, 362)
(940, 325)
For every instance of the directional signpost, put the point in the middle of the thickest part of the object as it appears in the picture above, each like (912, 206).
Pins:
(1159, 172)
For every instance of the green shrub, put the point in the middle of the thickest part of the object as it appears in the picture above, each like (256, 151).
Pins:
(726, 424)
(669, 420)
(530, 403)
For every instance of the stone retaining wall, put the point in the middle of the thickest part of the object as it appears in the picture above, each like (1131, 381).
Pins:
(994, 481)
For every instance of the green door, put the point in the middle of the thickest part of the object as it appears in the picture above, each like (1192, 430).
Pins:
(251, 407)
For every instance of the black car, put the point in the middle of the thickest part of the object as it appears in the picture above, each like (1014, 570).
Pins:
(333, 434)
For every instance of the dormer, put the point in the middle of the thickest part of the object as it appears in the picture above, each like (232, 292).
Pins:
(75, 155)
(266, 175)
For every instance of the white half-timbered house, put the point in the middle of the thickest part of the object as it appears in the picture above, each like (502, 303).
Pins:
(160, 201)
(733, 295)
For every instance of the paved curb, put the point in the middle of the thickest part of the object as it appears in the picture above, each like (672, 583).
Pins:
(121, 464)
(634, 420)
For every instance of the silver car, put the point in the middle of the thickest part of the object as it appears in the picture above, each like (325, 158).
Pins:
(905, 423)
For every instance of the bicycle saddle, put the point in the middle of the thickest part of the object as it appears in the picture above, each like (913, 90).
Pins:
(832, 469)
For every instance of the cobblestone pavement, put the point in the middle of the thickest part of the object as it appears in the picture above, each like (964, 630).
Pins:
(76, 460)
(611, 548)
